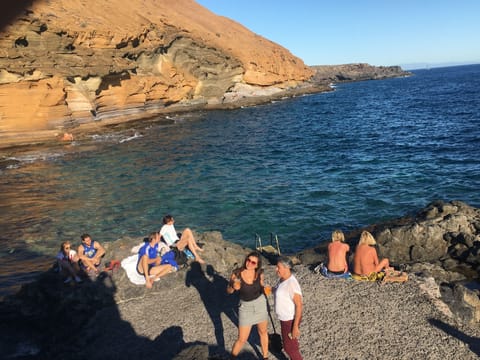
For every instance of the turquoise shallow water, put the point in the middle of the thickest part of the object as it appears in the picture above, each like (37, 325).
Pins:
(368, 152)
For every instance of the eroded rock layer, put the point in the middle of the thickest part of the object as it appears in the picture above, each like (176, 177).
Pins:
(66, 63)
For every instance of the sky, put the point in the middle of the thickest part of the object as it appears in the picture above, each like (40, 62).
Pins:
(410, 33)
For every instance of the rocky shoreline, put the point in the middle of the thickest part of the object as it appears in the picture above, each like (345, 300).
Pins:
(188, 315)
(130, 60)
(12, 142)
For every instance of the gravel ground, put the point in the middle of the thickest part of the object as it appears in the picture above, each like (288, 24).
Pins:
(343, 319)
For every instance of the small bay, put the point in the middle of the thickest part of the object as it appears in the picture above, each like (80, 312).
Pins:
(300, 168)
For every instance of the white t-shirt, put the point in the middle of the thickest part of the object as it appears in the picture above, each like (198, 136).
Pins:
(69, 257)
(284, 305)
(169, 234)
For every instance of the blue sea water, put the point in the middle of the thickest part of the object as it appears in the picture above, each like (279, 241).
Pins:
(300, 168)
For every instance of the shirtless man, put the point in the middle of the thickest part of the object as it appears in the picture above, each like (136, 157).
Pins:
(90, 253)
(365, 260)
(337, 254)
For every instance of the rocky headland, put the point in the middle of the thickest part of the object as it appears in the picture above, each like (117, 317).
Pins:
(70, 67)
(354, 72)
(188, 315)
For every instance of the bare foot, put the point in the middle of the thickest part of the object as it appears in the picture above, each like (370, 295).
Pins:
(199, 260)
(199, 249)
(148, 284)
(155, 277)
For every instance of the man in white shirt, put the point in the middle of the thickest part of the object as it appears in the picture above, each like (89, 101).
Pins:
(288, 307)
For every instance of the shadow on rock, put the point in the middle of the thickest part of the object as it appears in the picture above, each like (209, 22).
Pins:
(472, 342)
(48, 319)
(212, 291)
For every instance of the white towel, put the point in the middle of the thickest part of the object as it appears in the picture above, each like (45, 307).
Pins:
(130, 266)
(136, 248)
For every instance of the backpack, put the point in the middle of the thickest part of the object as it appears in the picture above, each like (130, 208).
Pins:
(180, 256)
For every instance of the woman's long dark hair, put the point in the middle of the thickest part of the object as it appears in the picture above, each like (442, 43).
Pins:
(258, 270)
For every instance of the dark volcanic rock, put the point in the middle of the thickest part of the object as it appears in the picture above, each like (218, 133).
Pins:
(45, 316)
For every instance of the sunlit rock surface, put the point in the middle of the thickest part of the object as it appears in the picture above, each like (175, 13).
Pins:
(66, 63)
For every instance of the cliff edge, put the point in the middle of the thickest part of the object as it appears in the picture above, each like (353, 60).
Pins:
(65, 64)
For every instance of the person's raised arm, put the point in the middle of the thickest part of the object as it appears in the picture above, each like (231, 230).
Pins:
(234, 284)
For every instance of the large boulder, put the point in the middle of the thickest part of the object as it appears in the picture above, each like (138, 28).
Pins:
(441, 241)
(445, 232)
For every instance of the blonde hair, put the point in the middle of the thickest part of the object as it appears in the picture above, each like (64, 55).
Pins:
(337, 235)
(367, 238)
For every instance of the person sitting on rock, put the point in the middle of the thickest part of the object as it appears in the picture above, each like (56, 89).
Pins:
(150, 262)
(169, 235)
(90, 253)
(67, 262)
(365, 260)
(337, 254)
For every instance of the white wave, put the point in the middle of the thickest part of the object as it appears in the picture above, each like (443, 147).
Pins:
(34, 157)
(130, 138)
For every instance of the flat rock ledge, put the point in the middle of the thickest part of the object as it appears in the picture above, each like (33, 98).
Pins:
(188, 315)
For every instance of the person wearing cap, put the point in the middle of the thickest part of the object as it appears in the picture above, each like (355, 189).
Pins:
(288, 307)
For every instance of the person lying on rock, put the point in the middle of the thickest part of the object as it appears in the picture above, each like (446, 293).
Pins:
(337, 254)
(90, 253)
(67, 262)
(365, 260)
(150, 262)
(186, 240)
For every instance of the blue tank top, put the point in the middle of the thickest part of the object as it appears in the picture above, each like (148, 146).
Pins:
(89, 251)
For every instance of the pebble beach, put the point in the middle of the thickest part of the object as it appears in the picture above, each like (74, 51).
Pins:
(342, 319)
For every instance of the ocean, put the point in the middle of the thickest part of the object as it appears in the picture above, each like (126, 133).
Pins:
(299, 168)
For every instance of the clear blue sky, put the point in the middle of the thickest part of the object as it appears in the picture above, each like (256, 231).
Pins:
(410, 33)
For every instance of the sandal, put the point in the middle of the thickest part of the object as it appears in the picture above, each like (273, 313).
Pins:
(112, 265)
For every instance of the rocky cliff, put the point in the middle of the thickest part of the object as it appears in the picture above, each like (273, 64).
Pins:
(68, 63)
(355, 72)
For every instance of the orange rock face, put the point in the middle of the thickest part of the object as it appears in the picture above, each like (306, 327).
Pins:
(66, 63)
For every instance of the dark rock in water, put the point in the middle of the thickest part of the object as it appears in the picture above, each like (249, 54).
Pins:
(8, 163)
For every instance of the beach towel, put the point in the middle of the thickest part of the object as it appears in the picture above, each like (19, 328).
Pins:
(162, 248)
(395, 276)
(322, 269)
(374, 276)
(129, 264)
